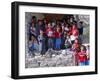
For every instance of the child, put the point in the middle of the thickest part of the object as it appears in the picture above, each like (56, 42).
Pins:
(74, 33)
(80, 28)
(66, 28)
(88, 55)
(41, 40)
(63, 38)
(62, 27)
(50, 35)
(40, 26)
(76, 45)
(76, 49)
(82, 56)
(33, 30)
(58, 38)
(34, 19)
(33, 45)
(67, 42)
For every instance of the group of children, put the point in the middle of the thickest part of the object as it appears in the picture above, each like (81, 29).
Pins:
(81, 52)
(44, 35)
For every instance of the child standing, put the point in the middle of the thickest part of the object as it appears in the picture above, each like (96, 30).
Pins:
(67, 42)
(58, 38)
(33, 45)
(82, 56)
(88, 55)
(74, 33)
(76, 49)
(63, 38)
(41, 40)
(76, 45)
(66, 28)
(33, 30)
(50, 35)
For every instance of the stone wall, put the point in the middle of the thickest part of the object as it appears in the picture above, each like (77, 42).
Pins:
(52, 58)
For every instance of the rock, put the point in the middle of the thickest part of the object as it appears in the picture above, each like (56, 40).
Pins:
(43, 64)
(52, 58)
(59, 62)
(52, 64)
(31, 65)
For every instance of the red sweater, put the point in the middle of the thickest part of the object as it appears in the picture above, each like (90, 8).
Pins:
(57, 35)
(75, 32)
(82, 56)
(49, 32)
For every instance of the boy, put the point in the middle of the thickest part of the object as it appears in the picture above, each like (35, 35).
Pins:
(33, 30)
(41, 40)
(67, 42)
(33, 45)
(50, 35)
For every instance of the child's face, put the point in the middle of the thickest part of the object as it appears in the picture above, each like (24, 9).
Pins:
(65, 33)
(41, 32)
(40, 22)
(45, 21)
(58, 29)
(82, 48)
(49, 25)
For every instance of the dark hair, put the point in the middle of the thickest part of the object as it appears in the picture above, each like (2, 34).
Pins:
(84, 47)
(31, 36)
(81, 22)
(33, 17)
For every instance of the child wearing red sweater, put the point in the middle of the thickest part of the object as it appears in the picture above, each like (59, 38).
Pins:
(50, 35)
(74, 33)
(82, 58)
(58, 38)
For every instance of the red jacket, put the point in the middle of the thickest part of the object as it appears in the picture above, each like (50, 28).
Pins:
(75, 32)
(49, 32)
(82, 56)
(57, 34)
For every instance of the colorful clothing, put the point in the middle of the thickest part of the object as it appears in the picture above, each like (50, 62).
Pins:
(82, 57)
(58, 40)
(50, 35)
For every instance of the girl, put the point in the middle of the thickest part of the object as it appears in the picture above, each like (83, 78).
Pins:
(82, 56)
